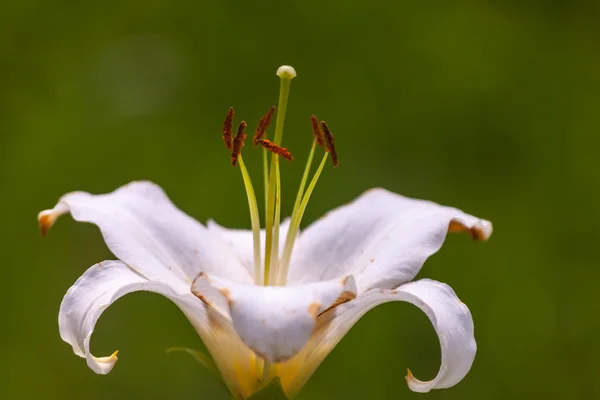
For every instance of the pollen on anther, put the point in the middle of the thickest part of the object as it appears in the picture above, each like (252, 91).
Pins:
(263, 125)
(317, 131)
(238, 142)
(330, 141)
(228, 128)
(274, 148)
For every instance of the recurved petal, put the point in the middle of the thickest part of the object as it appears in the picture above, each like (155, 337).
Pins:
(381, 238)
(275, 321)
(145, 230)
(240, 241)
(451, 320)
(98, 288)
(105, 282)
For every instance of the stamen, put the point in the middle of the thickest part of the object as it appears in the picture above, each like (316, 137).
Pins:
(238, 142)
(254, 219)
(273, 148)
(236, 156)
(295, 224)
(275, 248)
(266, 177)
(317, 131)
(330, 140)
(291, 236)
(263, 125)
(259, 131)
(228, 128)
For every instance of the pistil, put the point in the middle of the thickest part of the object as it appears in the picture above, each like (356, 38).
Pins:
(286, 74)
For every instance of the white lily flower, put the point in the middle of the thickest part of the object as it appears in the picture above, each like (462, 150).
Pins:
(280, 317)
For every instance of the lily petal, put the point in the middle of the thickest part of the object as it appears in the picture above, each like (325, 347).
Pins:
(94, 291)
(275, 321)
(104, 283)
(144, 229)
(381, 238)
(450, 317)
(240, 241)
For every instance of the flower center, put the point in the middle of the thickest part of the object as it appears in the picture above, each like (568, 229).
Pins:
(274, 270)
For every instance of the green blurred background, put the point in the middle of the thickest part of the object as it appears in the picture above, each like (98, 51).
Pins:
(492, 107)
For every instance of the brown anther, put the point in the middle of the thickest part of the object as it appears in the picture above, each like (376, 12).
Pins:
(263, 125)
(317, 131)
(228, 128)
(238, 142)
(330, 140)
(275, 148)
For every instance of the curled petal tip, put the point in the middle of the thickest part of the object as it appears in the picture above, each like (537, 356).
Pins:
(104, 364)
(480, 230)
(46, 219)
(110, 359)
(416, 385)
(483, 230)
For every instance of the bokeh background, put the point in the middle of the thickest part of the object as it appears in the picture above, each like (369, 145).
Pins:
(492, 107)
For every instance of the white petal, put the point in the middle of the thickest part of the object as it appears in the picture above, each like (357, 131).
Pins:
(381, 238)
(241, 242)
(145, 230)
(104, 283)
(450, 317)
(97, 289)
(275, 321)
